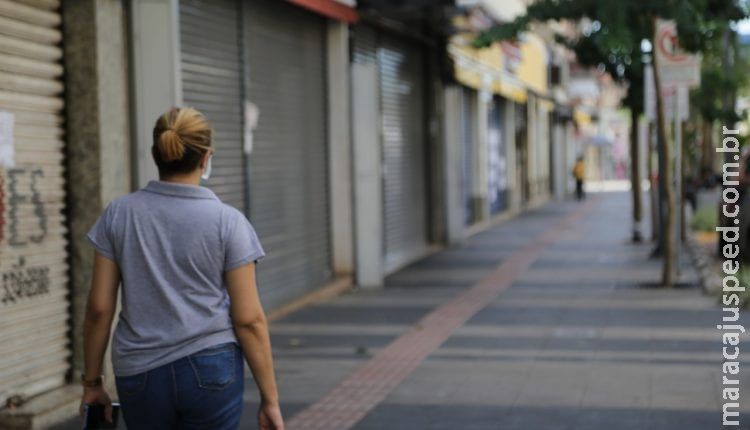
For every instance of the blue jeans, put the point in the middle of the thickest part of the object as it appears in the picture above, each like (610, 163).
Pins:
(201, 391)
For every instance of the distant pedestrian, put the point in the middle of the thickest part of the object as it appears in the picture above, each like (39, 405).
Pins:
(190, 306)
(579, 172)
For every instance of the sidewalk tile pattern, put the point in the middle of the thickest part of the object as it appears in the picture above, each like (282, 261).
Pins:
(364, 389)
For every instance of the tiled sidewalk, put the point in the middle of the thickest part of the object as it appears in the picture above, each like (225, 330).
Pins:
(574, 343)
(535, 324)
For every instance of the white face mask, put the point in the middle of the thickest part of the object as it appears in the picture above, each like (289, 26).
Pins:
(207, 173)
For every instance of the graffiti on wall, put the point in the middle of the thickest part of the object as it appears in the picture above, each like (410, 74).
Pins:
(19, 197)
(22, 282)
(23, 227)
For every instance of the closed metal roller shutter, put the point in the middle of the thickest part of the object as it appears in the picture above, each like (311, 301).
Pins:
(468, 120)
(34, 306)
(522, 153)
(288, 165)
(212, 83)
(365, 45)
(497, 172)
(402, 92)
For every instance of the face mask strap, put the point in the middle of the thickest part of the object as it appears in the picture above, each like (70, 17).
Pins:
(207, 173)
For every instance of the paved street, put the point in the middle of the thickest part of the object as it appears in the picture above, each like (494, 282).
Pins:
(537, 323)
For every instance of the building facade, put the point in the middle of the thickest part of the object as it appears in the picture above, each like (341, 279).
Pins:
(357, 138)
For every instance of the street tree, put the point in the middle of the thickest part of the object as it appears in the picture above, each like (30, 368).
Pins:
(721, 80)
(611, 38)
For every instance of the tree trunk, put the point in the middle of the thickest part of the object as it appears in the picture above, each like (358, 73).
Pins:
(635, 176)
(653, 188)
(707, 153)
(727, 64)
(683, 201)
(665, 176)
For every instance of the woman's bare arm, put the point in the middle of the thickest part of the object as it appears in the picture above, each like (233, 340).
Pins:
(100, 310)
(251, 327)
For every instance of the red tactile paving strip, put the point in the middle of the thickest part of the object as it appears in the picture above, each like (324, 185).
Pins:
(366, 387)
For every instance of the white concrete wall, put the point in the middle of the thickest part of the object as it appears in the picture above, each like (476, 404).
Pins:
(454, 203)
(531, 142)
(156, 80)
(98, 139)
(559, 170)
(545, 151)
(368, 176)
(339, 148)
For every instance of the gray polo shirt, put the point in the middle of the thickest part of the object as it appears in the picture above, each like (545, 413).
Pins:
(172, 243)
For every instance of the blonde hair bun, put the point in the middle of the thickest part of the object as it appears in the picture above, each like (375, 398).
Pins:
(171, 146)
(181, 136)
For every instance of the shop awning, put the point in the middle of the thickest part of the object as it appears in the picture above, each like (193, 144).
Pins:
(482, 70)
(333, 9)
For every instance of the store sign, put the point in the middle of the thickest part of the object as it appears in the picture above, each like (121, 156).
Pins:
(672, 97)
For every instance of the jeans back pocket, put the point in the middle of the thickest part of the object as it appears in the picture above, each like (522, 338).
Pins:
(215, 367)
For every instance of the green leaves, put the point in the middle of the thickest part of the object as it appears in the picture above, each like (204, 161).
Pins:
(610, 34)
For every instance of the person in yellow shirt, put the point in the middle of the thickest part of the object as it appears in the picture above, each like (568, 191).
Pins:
(579, 171)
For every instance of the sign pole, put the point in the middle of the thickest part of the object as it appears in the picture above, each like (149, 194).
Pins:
(679, 71)
(678, 180)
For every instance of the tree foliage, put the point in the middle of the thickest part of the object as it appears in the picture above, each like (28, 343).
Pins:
(610, 37)
(623, 20)
(717, 80)
(612, 31)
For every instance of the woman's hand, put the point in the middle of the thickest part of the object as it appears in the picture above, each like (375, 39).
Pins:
(97, 395)
(100, 310)
(269, 417)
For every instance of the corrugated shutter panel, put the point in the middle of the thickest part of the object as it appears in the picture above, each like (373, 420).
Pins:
(522, 151)
(212, 83)
(404, 184)
(365, 45)
(288, 165)
(497, 159)
(34, 305)
(468, 118)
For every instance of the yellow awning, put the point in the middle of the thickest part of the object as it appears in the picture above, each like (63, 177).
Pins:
(468, 77)
(513, 92)
(484, 69)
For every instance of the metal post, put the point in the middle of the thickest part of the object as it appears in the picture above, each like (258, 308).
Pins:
(678, 181)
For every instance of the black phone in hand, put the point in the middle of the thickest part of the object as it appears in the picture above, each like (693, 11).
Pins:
(93, 417)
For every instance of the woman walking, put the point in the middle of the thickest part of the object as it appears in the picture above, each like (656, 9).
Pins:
(190, 306)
